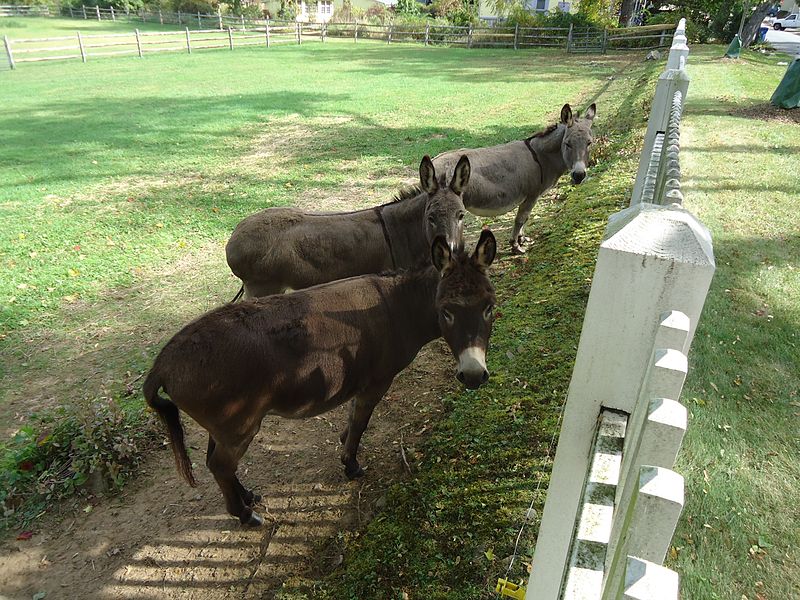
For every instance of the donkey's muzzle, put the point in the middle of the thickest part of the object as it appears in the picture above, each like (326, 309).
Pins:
(578, 176)
(472, 368)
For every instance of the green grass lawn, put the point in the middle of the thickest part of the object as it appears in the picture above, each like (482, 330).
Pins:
(121, 179)
(40, 27)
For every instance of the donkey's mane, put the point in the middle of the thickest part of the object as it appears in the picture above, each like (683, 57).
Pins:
(545, 132)
(406, 193)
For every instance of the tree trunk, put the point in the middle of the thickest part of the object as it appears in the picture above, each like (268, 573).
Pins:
(626, 12)
(753, 23)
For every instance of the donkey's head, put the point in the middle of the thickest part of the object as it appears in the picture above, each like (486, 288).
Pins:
(444, 211)
(577, 139)
(465, 304)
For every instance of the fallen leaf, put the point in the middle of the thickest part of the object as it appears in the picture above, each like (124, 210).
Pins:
(489, 554)
(25, 535)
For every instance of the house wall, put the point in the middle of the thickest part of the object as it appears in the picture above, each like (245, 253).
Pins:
(487, 12)
(317, 11)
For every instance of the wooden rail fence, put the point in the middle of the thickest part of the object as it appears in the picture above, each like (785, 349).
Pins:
(23, 10)
(203, 31)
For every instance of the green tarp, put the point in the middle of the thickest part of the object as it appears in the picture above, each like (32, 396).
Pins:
(735, 47)
(788, 93)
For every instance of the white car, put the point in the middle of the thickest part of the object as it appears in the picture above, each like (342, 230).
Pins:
(787, 22)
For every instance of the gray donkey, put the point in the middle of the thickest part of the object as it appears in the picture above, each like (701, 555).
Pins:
(517, 173)
(280, 249)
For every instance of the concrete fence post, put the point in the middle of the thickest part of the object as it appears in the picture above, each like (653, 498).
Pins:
(648, 581)
(652, 259)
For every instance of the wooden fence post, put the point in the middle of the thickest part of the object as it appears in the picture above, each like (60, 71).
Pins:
(242, 19)
(97, 10)
(138, 43)
(355, 31)
(160, 17)
(230, 37)
(71, 14)
(516, 36)
(389, 35)
(8, 52)
(84, 11)
(179, 17)
(266, 29)
(113, 16)
(427, 32)
(82, 49)
(127, 12)
(323, 31)
(605, 40)
(188, 44)
(569, 39)
(219, 18)
(469, 36)
(199, 21)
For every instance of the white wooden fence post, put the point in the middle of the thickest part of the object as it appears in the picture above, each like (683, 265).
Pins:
(648, 581)
(9, 54)
(81, 48)
(669, 82)
(650, 522)
(138, 43)
(652, 259)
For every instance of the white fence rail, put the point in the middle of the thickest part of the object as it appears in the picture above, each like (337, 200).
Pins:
(22, 10)
(613, 501)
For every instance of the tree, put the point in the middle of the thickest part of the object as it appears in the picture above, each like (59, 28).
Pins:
(754, 22)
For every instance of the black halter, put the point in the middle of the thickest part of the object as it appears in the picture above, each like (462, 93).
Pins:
(388, 239)
(536, 158)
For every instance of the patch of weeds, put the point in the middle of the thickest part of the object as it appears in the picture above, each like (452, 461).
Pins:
(93, 446)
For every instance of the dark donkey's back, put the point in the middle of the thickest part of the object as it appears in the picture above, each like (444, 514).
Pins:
(280, 249)
(299, 355)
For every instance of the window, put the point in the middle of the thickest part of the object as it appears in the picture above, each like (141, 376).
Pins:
(325, 7)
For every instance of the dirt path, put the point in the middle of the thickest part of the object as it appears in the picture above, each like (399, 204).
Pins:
(162, 539)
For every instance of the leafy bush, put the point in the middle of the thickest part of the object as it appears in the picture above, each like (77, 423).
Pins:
(457, 12)
(518, 15)
(697, 33)
(96, 444)
(407, 7)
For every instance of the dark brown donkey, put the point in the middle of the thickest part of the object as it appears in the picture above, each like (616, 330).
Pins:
(302, 354)
(280, 249)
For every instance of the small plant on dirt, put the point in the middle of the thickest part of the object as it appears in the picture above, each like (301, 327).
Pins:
(94, 445)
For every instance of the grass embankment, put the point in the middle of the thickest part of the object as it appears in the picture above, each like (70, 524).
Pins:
(449, 532)
(122, 179)
(740, 533)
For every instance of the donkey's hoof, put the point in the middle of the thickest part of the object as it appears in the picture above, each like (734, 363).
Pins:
(255, 520)
(354, 472)
(517, 249)
(523, 240)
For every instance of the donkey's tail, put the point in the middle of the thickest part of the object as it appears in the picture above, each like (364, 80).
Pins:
(170, 416)
(239, 294)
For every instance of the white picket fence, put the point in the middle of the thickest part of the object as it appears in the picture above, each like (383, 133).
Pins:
(613, 501)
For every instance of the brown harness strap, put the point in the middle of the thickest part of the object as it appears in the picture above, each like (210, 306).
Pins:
(388, 239)
(536, 158)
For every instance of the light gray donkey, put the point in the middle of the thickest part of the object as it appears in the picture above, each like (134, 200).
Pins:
(517, 173)
(280, 249)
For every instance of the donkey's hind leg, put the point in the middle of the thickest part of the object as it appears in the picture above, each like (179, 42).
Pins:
(360, 412)
(222, 462)
(249, 497)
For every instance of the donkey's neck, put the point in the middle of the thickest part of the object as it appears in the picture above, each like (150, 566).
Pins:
(412, 305)
(548, 150)
(406, 230)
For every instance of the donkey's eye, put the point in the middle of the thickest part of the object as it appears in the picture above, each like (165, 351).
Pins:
(461, 216)
(488, 312)
(432, 220)
(448, 316)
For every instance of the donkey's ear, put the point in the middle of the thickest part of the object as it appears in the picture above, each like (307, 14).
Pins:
(486, 249)
(591, 112)
(441, 256)
(460, 175)
(427, 176)
(566, 115)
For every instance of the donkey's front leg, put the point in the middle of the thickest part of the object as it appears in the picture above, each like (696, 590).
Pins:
(360, 412)
(523, 212)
